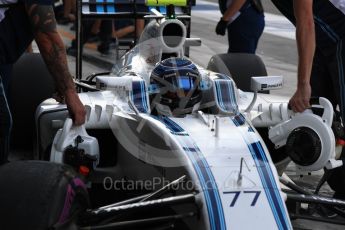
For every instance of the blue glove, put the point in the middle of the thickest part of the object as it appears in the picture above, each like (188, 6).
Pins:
(221, 27)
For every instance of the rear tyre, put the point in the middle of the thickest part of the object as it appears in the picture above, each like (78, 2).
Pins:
(240, 66)
(31, 83)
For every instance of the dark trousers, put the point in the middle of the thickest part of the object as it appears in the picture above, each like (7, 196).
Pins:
(328, 76)
(328, 80)
(245, 31)
(5, 113)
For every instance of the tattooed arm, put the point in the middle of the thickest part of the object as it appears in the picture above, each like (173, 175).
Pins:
(52, 49)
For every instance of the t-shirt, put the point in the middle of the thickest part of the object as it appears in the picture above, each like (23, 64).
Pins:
(3, 10)
(224, 4)
(15, 29)
(340, 4)
(329, 17)
(229, 2)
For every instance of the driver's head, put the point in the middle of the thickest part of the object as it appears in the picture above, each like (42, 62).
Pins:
(174, 83)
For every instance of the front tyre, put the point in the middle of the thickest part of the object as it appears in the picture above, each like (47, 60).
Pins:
(40, 195)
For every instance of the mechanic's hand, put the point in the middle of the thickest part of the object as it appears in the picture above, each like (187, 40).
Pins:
(75, 108)
(221, 27)
(300, 100)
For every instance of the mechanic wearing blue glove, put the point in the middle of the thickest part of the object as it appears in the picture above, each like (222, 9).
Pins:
(320, 31)
(20, 22)
(244, 20)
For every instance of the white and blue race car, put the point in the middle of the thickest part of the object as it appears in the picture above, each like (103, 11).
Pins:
(170, 145)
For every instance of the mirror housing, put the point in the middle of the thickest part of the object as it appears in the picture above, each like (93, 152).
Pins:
(263, 83)
(266, 83)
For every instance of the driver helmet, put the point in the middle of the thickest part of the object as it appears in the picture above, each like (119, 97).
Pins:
(174, 87)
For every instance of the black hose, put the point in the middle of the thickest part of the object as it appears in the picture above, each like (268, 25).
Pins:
(316, 200)
(300, 190)
(294, 187)
(324, 220)
(92, 76)
(322, 181)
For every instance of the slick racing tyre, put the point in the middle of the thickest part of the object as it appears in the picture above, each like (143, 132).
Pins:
(31, 83)
(37, 195)
(240, 66)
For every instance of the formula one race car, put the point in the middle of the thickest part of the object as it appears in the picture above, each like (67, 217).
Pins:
(171, 145)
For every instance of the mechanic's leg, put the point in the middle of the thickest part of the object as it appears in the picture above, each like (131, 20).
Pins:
(238, 43)
(105, 33)
(123, 27)
(6, 72)
(336, 69)
(140, 23)
(245, 31)
(86, 32)
(321, 80)
(5, 125)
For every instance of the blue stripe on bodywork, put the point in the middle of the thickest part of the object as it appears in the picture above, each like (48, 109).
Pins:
(217, 196)
(171, 124)
(111, 7)
(271, 188)
(267, 178)
(99, 7)
(219, 97)
(226, 97)
(208, 183)
(143, 95)
(138, 96)
(162, 9)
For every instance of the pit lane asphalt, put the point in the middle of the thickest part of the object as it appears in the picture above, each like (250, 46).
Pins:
(278, 53)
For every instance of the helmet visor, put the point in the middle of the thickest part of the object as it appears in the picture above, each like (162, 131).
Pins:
(186, 83)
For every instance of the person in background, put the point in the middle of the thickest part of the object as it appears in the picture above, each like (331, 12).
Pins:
(69, 11)
(244, 21)
(320, 31)
(125, 27)
(105, 32)
(21, 21)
